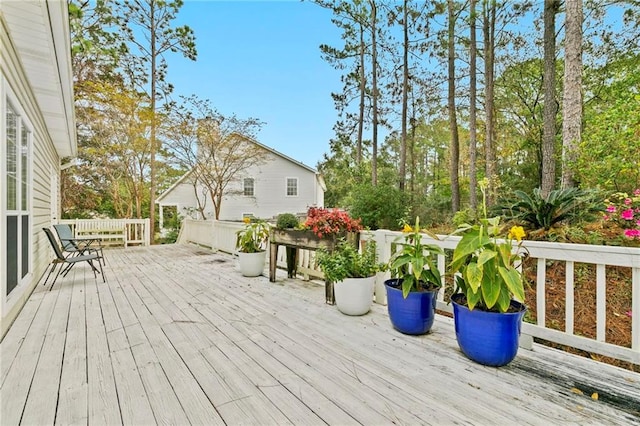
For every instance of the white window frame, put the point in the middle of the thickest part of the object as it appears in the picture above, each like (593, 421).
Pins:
(8, 97)
(253, 187)
(286, 187)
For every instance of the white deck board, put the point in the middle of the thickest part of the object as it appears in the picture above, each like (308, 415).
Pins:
(177, 336)
(73, 392)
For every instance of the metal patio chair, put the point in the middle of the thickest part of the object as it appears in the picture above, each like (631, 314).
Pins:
(78, 246)
(69, 261)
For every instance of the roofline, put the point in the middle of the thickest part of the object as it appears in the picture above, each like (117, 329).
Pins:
(59, 24)
(172, 187)
(278, 153)
(250, 139)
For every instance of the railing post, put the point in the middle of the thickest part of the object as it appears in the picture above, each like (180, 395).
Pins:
(147, 232)
(635, 309)
(383, 252)
(214, 235)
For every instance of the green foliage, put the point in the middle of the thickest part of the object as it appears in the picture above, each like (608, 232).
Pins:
(464, 216)
(170, 237)
(414, 263)
(570, 205)
(608, 156)
(287, 221)
(486, 263)
(345, 261)
(253, 238)
(378, 207)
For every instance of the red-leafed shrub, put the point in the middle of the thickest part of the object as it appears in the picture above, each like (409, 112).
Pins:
(328, 222)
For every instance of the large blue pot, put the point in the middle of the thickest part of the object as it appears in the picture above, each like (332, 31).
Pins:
(413, 315)
(489, 338)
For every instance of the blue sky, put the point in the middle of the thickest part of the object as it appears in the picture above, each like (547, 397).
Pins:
(262, 59)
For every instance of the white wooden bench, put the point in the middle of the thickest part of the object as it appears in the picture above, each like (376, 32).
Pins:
(110, 232)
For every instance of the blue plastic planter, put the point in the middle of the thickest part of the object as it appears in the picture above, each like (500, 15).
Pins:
(413, 315)
(488, 338)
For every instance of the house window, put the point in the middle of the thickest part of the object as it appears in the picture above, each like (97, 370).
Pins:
(292, 187)
(249, 188)
(17, 170)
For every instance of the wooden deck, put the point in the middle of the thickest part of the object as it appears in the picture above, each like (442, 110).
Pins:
(176, 336)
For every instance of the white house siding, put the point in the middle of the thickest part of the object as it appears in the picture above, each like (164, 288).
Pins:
(270, 190)
(270, 185)
(47, 133)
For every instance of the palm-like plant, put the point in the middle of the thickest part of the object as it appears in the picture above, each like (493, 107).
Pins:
(562, 205)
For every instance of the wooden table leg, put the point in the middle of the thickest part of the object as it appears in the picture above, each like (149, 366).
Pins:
(328, 290)
(292, 261)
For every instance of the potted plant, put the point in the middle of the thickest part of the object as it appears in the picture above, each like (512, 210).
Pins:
(488, 303)
(352, 273)
(411, 295)
(323, 228)
(251, 242)
(289, 221)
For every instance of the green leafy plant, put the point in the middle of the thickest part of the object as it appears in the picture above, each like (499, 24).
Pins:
(414, 263)
(569, 205)
(287, 221)
(253, 237)
(379, 206)
(487, 263)
(345, 261)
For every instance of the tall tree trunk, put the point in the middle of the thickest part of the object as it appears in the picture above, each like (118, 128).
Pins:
(572, 96)
(412, 151)
(362, 88)
(405, 95)
(453, 122)
(473, 144)
(374, 83)
(152, 141)
(489, 12)
(548, 178)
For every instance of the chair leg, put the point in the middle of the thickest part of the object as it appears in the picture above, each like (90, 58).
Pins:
(93, 268)
(67, 268)
(104, 280)
(54, 264)
(54, 280)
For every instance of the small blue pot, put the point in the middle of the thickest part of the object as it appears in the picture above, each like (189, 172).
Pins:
(413, 315)
(488, 338)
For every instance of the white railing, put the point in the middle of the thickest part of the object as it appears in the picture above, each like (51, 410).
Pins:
(221, 235)
(124, 232)
(600, 257)
(540, 253)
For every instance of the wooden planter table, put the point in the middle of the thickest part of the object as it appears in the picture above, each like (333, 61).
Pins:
(294, 239)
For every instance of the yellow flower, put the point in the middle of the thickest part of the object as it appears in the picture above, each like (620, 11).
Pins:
(407, 228)
(517, 232)
(246, 220)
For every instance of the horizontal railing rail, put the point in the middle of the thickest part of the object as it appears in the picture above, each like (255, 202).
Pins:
(125, 232)
(221, 235)
(540, 255)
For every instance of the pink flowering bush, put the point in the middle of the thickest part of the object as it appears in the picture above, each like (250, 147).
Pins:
(624, 210)
(329, 222)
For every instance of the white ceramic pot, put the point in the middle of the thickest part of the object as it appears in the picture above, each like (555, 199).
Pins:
(251, 264)
(354, 296)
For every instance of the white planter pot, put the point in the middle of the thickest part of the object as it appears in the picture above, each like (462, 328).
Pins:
(252, 264)
(354, 296)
